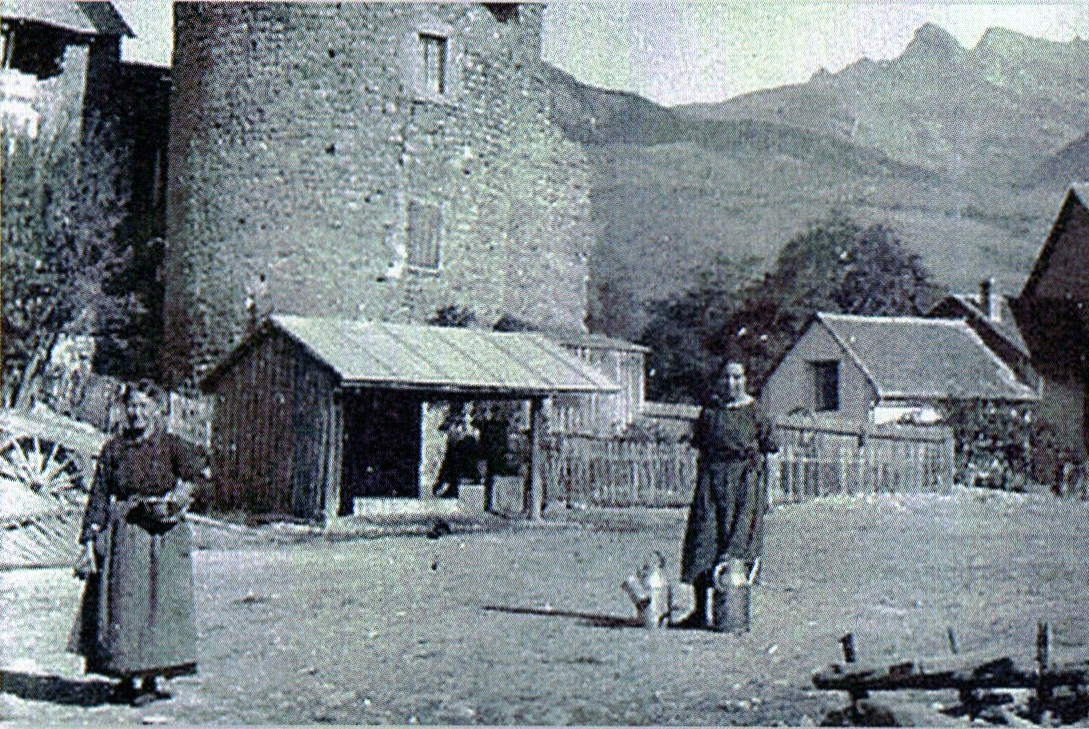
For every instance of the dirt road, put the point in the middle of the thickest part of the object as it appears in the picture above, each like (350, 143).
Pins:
(529, 625)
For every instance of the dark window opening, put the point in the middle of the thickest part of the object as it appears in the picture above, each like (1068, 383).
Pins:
(434, 48)
(424, 221)
(503, 12)
(39, 52)
(825, 386)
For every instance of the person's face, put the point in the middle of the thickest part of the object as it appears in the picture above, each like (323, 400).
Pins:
(735, 380)
(140, 410)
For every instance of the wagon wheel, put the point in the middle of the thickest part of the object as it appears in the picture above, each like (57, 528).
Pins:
(46, 468)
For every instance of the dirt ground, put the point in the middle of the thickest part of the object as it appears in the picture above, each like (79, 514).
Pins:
(528, 624)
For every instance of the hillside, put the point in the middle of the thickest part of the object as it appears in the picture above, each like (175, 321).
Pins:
(966, 151)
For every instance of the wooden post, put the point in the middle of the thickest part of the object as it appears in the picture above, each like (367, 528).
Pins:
(335, 455)
(950, 465)
(842, 470)
(1043, 661)
(533, 499)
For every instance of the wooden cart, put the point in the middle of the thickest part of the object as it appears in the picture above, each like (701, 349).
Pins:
(47, 462)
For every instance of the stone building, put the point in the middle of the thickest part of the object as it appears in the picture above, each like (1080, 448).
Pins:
(365, 161)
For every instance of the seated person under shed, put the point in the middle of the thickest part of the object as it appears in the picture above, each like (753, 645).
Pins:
(462, 458)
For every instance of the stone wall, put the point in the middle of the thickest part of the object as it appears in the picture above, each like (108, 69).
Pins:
(302, 135)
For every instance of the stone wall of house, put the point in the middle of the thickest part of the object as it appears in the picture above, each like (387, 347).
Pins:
(303, 139)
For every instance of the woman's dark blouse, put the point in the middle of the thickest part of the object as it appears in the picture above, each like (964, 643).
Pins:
(130, 468)
(725, 433)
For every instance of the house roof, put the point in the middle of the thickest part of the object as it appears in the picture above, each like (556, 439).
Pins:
(431, 358)
(911, 357)
(1005, 328)
(88, 18)
(1076, 194)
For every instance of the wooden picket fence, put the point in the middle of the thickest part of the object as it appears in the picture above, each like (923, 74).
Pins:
(608, 471)
(821, 458)
(817, 458)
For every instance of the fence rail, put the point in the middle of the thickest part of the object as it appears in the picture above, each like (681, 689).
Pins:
(604, 471)
(827, 459)
(816, 460)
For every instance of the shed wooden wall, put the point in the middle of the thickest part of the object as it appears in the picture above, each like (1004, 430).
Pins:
(274, 439)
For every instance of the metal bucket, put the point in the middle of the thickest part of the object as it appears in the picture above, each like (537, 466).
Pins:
(730, 596)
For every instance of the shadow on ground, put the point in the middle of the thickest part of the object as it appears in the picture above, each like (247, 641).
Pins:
(57, 690)
(591, 619)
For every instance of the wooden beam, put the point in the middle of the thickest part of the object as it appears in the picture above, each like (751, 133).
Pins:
(533, 495)
(335, 454)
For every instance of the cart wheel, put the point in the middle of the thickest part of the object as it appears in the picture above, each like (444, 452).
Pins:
(45, 467)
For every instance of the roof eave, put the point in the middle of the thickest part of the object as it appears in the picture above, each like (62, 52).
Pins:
(471, 390)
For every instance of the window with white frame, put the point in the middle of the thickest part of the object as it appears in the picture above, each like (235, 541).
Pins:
(434, 50)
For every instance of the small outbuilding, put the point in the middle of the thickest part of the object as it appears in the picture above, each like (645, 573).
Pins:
(311, 414)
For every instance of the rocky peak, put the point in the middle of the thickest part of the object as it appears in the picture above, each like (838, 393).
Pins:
(932, 43)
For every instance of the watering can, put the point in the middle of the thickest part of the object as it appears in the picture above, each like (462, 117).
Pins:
(651, 593)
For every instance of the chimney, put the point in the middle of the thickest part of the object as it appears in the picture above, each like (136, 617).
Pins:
(990, 301)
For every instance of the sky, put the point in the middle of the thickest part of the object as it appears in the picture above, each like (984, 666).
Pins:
(693, 51)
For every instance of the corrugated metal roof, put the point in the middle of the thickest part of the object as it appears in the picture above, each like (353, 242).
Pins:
(419, 357)
(88, 18)
(912, 357)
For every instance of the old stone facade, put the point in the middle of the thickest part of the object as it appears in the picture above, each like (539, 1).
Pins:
(365, 161)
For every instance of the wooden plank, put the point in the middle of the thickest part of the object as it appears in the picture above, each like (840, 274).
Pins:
(534, 497)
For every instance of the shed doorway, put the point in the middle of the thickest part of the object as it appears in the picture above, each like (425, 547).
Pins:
(381, 446)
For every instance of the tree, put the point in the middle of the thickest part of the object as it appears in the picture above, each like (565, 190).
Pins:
(834, 265)
(881, 278)
(689, 335)
(62, 204)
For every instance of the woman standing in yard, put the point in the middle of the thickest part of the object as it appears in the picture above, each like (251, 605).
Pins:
(136, 619)
(726, 518)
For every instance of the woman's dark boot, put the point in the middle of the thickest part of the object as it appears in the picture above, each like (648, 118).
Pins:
(698, 617)
(124, 692)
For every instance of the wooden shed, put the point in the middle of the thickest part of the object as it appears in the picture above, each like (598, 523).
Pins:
(313, 413)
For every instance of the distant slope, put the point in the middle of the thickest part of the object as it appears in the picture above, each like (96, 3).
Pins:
(597, 116)
(939, 104)
(961, 149)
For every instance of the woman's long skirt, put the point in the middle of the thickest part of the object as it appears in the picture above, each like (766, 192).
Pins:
(726, 517)
(137, 617)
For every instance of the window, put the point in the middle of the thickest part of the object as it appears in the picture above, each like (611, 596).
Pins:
(503, 12)
(424, 221)
(434, 50)
(825, 386)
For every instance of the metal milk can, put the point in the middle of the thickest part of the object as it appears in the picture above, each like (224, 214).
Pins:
(731, 595)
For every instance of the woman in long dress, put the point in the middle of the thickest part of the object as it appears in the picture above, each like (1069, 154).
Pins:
(136, 619)
(726, 518)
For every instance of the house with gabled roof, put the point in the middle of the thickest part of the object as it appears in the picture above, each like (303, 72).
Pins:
(1052, 313)
(875, 369)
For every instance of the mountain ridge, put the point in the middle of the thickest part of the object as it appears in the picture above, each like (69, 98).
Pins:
(965, 150)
